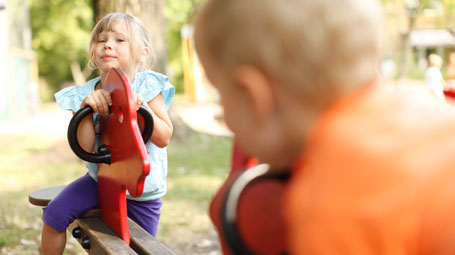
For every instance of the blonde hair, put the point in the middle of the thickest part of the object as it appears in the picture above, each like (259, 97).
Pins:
(138, 37)
(435, 60)
(319, 47)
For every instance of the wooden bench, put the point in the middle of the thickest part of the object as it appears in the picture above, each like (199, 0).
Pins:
(97, 238)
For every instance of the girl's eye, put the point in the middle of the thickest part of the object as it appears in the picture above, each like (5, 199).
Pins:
(101, 41)
(120, 40)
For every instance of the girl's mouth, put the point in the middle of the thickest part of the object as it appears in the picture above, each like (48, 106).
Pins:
(107, 57)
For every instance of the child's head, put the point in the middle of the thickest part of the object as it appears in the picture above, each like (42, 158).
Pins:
(307, 51)
(435, 60)
(140, 46)
(452, 58)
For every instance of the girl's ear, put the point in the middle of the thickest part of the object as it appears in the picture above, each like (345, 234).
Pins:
(143, 55)
(259, 90)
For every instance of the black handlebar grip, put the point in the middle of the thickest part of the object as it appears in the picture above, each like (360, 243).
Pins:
(148, 123)
(103, 156)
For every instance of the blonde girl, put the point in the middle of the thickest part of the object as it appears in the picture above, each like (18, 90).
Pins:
(118, 41)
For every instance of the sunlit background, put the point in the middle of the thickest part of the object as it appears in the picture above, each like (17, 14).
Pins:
(43, 48)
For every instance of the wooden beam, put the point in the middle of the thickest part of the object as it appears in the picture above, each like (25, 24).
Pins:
(102, 240)
(144, 243)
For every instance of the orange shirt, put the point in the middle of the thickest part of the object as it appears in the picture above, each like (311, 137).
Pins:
(377, 177)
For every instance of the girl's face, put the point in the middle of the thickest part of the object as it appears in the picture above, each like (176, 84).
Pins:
(112, 50)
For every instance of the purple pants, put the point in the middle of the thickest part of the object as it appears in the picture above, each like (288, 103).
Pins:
(81, 195)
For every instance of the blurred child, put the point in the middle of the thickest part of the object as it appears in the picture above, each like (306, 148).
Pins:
(433, 76)
(118, 41)
(373, 166)
(450, 71)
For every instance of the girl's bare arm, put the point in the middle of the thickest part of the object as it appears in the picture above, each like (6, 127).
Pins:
(162, 129)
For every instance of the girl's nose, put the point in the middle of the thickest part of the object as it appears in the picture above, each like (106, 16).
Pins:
(108, 44)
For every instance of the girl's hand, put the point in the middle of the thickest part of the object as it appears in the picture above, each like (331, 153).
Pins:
(139, 100)
(99, 101)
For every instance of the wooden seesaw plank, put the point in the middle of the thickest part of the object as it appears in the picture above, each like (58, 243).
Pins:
(102, 239)
(97, 238)
(143, 243)
(42, 197)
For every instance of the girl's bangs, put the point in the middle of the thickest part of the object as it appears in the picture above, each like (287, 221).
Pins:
(108, 23)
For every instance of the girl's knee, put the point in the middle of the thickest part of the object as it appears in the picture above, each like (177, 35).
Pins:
(50, 229)
(57, 216)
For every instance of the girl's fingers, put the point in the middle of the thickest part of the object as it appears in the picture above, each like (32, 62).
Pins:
(100, 101)
(105, 101)
(139, 101)
(96, 104)
(103, 106)
(107, 97)
(88, 100)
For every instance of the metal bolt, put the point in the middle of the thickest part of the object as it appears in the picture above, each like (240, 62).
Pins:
(77, 232)
(85, 242)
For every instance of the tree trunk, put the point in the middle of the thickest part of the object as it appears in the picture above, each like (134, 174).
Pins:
(407, 48)
(151, 12)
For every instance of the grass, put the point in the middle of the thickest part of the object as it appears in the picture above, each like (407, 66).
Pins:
(197, 166)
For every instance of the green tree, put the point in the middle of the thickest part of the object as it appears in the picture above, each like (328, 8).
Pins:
(61, 32)
(449, 13)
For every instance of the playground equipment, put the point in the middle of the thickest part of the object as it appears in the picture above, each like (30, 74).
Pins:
(123, 164)
(247, 210)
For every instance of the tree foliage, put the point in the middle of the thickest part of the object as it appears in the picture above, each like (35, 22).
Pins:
(442, 13)
(61, 32)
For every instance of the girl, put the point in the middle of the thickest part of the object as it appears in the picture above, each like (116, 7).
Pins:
(118, 41)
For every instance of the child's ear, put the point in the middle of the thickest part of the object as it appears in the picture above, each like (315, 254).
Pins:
(259, 89)
(143, 55)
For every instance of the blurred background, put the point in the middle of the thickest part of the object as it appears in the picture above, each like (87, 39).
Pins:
(43, 48)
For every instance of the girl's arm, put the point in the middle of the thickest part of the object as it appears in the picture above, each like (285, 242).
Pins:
(162, 125)
(99, 101)
(86, 134)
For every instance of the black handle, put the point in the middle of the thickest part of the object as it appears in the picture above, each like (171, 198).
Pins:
(103, 155)
(148, 123)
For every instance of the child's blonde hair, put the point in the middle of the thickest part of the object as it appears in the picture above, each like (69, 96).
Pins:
(138, 36)
(321, 48)
(435, 60)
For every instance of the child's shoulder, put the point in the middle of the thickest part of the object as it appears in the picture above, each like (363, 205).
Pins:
(87, 87)
(71, 97)
(151, 76)
(150, 84)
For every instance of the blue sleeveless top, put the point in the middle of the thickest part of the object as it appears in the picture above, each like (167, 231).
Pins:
(149, 84)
